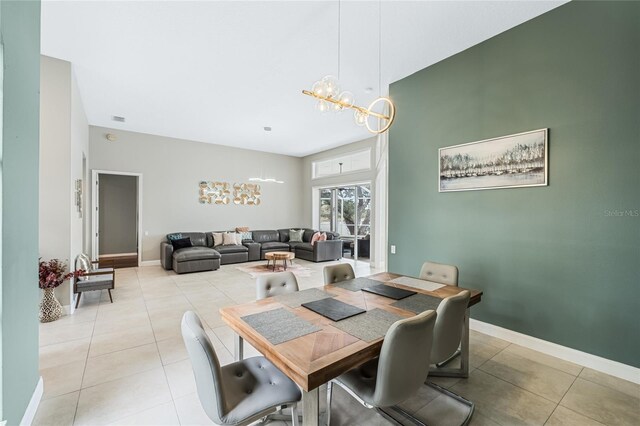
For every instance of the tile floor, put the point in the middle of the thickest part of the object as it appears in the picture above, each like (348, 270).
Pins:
(125, 363)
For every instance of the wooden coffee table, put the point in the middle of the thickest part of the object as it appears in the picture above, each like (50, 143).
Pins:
(279, 255)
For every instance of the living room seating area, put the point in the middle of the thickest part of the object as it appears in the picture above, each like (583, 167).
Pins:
(205, 251)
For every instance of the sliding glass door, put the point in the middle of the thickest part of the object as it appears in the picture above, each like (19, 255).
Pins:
(347, 211)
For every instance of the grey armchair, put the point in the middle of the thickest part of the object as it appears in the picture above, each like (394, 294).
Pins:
(92, 278)
(399, 371)
(440, 273)
(269, 285)
(337, 273)
(238, 393)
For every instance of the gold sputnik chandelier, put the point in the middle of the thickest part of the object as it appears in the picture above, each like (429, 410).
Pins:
(377, 117)
(327, 92)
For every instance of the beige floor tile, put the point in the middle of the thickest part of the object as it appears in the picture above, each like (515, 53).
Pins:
(539, 357)
(122, 322)
(172, 350)
(630, 388)
(481, 420)
(444, 411)
(537, 378)
(123, 397)
(118, 340)
(58, 411)
(180, 378)
(170, 303)
(602, 403)
(167, 328)
(190, 411)
(62, 379)
(483, 347)
(156, 292)
(64, 353)
(162, 415)
(65, 333)
(503, 402)
(564, 417)
(120, 364)
(83, 314)
(424, 396)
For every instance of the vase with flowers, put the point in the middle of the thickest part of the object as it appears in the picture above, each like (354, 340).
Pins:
(52, 274)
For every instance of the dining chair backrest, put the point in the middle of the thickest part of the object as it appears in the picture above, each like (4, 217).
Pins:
(448, 329)
(269, 285)
(404, 359)
(337, 273)
(440, 273)
(206, 367)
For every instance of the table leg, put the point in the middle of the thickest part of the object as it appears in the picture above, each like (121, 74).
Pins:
(238, 345)
(285, 264)
(310, 407)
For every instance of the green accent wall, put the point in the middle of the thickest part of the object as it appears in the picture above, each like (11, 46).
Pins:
(20, 31)
(561, 262)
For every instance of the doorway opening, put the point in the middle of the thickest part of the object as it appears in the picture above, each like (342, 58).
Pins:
(116, 218)
(347, 211)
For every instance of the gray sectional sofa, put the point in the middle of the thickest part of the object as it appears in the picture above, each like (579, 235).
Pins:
(204, 256)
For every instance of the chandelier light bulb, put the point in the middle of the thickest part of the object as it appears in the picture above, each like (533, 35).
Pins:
(319, 88)
(336, 107)
(360, 118)
(322, 106)
(347, 99)
(332, 86)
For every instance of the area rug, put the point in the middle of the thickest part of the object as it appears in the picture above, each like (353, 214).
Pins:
(255, 270)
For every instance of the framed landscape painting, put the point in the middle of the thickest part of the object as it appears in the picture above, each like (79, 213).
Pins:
(512, 161)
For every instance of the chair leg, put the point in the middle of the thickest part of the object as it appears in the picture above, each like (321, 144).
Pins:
(451, 358)
(294, 415)
(329, 395)
(78, 300)
(111, 298)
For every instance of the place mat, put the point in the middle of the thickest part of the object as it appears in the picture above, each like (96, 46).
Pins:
(356, 284)
(297, 298)
(388, 291)
(369, 326)
(333, 309)
(418, 303)
(417, 283)
(279, 325)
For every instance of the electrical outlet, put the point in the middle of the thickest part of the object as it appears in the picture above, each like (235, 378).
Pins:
(393, 249)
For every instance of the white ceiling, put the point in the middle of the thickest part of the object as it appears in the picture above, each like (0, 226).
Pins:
(219, 72)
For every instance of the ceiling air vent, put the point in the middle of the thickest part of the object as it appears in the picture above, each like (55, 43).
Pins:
(118, 118)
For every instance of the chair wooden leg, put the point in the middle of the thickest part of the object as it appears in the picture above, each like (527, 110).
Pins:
(78, 300)
(110, 297)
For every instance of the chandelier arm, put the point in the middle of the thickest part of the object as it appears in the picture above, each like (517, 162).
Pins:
(344, 105)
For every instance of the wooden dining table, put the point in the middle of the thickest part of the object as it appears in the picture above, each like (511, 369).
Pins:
(314, 359)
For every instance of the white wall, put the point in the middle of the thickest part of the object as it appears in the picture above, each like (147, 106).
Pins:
(63, 142)
(310, 185)
(171, 171)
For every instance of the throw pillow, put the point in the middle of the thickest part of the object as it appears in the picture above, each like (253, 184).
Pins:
(241, 229)
(315, 237)
(229, 239)
(172, 237)
(246, 235)
(295, 236)
(323, 237)
(181, 243)
(238, 238)
(217, 238)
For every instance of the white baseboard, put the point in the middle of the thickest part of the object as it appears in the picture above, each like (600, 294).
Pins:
(150, 262)
(32, 408)
(614, 368)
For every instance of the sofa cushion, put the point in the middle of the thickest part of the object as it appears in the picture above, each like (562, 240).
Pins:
(180, 243)
(304, 246)
(197, 238)
(308, 234)
(295, 235)
(231, 249)
(293, 244)
(275, 245)
(266, 236)
(195, 253)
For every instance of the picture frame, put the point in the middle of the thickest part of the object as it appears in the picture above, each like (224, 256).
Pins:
(513, 161)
